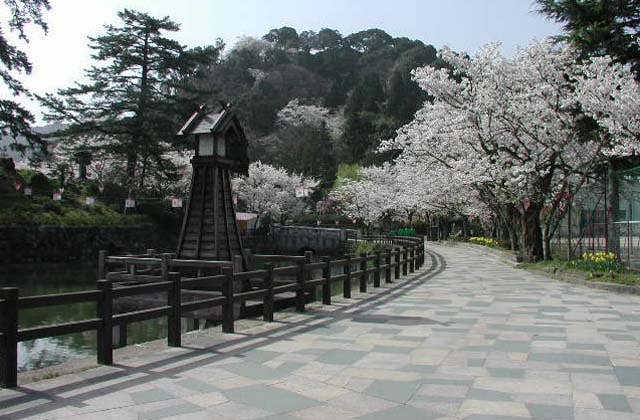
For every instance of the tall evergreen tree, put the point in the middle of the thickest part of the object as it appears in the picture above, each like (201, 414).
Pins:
(599, 27)
(15, 120)
(138, 92)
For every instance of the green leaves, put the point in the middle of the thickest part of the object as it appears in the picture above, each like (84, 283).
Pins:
(140, 90)
(15, 120)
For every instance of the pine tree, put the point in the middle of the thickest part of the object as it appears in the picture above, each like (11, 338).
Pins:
(15, 120)
(139, 91)
(599, 27)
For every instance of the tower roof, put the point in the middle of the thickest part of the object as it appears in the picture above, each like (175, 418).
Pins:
(205, 121)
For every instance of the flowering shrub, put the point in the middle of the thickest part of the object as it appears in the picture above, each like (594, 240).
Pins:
(480, 240)
(598, 261)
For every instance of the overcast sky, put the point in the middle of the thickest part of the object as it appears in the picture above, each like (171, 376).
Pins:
(60, 57)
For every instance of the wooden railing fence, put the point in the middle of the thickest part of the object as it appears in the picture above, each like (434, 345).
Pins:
(162, 273)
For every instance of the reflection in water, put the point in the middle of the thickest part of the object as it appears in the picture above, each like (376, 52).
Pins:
(43, 279)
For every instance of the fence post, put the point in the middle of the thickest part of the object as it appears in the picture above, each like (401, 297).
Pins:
(405, 257)
(397, 266)
(326, 287)
(227, 307)
(300, 280)
(267, 300)
(174, 333)
(376, 274)
(149, 253)
(102, 255)
(412, 258)
(387, 270)
(346, 283)
(122, 335)
(9, 343)
(364, 276)
(105, 332)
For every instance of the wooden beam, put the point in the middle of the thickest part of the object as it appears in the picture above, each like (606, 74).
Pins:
(216, 187)
(202, 207)
(186, 215)
(226, 197)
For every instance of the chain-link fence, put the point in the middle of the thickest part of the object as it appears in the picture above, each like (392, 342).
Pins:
(603, 216)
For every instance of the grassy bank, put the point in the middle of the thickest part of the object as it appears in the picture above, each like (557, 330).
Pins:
(572, 269)
(42, 210)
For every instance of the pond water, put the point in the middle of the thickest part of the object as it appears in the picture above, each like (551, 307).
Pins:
(40, 279)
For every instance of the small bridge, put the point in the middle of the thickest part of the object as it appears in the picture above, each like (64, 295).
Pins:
(297, 239)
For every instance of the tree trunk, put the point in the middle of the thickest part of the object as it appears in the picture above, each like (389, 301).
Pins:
(613, 199)
(513, 234)
(513, 240)
(143, 173)
(465, 227)
(547, 243)
(531, 233)
(132, 161)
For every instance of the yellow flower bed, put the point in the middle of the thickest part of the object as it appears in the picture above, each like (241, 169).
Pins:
(599, 256)
(480, 240)
(599, 261)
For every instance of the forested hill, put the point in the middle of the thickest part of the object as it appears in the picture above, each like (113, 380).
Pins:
(352, 91)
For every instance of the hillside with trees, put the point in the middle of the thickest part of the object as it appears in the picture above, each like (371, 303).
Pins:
(341, 94)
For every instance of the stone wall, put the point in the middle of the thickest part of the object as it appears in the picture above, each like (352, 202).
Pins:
(295, 239)
(56, 244)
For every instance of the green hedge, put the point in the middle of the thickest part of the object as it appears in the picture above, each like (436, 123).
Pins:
(404, 231)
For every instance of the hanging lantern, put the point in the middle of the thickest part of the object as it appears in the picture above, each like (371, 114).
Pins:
(176, 202)
(57, 196)
(129, 203)
(28, 191)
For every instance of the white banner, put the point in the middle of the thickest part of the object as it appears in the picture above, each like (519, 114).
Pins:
(302, 192)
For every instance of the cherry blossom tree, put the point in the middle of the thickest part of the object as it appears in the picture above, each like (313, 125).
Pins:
(270, 191)
(295, 113)
(504, 125)
(403, 192)
(368, 198)
(609, 93)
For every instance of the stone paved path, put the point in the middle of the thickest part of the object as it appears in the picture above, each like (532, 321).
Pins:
(467, 338)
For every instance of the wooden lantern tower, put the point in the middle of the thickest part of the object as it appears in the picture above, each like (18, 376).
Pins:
(209, 228)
